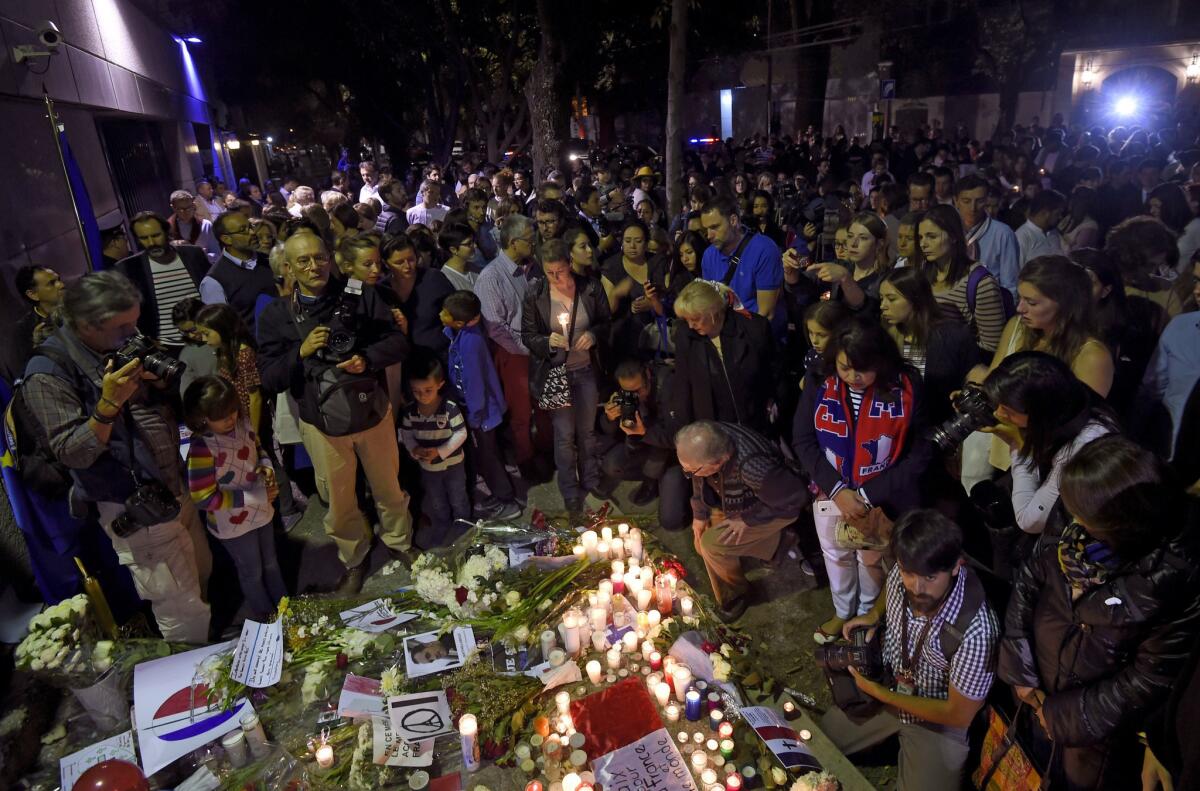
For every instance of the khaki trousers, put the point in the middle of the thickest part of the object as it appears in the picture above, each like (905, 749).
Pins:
(723, 561)
(931, 756)
(335, 464)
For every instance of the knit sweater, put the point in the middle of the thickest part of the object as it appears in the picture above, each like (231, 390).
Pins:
(222, 479)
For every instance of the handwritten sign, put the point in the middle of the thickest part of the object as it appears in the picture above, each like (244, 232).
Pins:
(375, 616)
(120, 747)
(258, 658)
(781, 738)
(390, 750)
(652, 763)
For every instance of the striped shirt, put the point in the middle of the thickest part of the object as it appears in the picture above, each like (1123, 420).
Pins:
(224, 483)
(445, 429)
(915, 356)
(987, 322)
(172, 283)
(856, 397)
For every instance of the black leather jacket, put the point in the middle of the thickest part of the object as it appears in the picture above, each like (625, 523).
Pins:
(1108, 659)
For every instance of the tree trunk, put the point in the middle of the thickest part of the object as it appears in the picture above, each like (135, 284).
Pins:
(541, 93)
(1010, 93)
(675, 88)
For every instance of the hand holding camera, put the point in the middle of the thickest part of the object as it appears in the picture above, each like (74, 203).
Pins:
(120, 383)
(316, 340)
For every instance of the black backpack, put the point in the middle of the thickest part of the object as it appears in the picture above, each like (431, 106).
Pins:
(29, 444)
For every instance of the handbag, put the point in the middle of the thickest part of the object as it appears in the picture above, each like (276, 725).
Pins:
(556, 392)
(1004, 764)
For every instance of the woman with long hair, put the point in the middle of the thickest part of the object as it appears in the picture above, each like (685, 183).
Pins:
(1168, 203)
(857, 283)
(1108, 296)
(583, 254)
(624, 276)
(942, 350)
(222, 328)
(1079, 227)
(762, 208)
(949, 267)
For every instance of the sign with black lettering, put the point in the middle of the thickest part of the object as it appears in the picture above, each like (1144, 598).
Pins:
(652, 763)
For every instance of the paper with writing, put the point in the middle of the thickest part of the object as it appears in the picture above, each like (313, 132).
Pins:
(651, 762)
(390, 750)
(375, 616)
(258, 658)
(70, 767)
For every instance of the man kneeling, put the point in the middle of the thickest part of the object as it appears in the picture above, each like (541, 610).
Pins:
(744, 496)
(940, 644)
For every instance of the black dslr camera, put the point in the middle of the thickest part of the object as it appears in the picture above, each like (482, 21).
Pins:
(139, 347)
(628, 401)
(150, 504)
(973, 409)
(343, 324)
(865, 656)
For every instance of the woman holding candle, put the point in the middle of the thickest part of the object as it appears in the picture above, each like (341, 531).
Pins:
(563, 316)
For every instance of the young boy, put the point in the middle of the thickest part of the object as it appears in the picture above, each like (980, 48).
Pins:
(474, 376)
(433, 430)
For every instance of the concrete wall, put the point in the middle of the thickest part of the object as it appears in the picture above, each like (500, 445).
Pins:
(980, 112)
(115, 62)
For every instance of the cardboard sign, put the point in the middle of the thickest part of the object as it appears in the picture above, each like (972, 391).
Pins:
(781, 739)
(651, 762)
(258, 658)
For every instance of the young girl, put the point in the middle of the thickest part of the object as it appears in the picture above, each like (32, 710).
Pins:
(231, 479)
(223, 329)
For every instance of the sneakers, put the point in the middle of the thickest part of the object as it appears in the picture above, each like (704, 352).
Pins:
(352, 581)
(291, 520)
(730, 612)
(830, 631)
(645, 494)
(807, 568)
(509, 510)
(491, 508)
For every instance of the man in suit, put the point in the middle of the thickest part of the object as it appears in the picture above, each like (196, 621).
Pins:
(164, 273)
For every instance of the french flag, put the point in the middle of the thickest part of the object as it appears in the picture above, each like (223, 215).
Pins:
(176, 720)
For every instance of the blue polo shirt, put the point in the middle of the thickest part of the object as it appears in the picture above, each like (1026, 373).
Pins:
(761, 269)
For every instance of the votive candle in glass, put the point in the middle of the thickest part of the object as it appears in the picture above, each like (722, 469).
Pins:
(579, 552)
(614, 658)
(699, 760)
(629, 642)
(605, 586)
(647, 650)
(618, 582)
(653, 618)
(727, 748)
(548, 642)
(571, 782)
(643, 599)
(563, 701)
(708, 777)
(691, 706)
(725, 730)
(599, 640)
(685, 606)
(617, 546)
(604, 550)
(714, 718)
(713, 745)
(623, 529)
(599, 619)
(662, 692)
(655, 661)
(682, 678)
(672, 713)
(733, 782)
(593, 671)
(714, 700)
(664, 595)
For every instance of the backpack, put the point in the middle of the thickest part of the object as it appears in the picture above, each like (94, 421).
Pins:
(35, 463)
(976, 277)
(346, 403)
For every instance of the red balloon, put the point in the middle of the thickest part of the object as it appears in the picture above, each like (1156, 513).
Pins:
(112, 775)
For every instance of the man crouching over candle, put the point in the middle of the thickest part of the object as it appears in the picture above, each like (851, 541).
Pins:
(745, 496)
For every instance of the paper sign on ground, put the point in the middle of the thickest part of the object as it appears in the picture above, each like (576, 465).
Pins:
(173, 718)
(420, 715)
(375, 616)
(429, 652)
(781, 738)
(361, 697)
(390, 750)
(258, 658)
(70, 767)
(652, 762)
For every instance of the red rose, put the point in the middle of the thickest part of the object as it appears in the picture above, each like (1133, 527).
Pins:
(342, 661)
(460, 594)
(708, 647)
(538, 519)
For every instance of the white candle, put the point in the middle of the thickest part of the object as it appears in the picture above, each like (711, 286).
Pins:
(570, 782)
(634, 563)
(708, 777)
(618, 614)
(563, 701)
(647, 577)
(647, 650)
(698, 738)
(633, 583)
(685, 605)
(629, 642)
(593, 671)
(643, 599)
(699, 760)
(564, 319)
(548, 643)
(599, 619)
(623, 529)
(570, 634)
(711, 744)
(606, 533)
(618, 547)
(682, 677)
(633, 543)
(468, 731)
(605, 588)
(599, 640)
(672, 713)
(325, 756)
(662, 692)
(557, 657)
(618, 568)
(614, 658)
(643, 623)
(589, 541)
(604, 600)
(805, 734)
(604, 550)
(653, 618)
(578, 551)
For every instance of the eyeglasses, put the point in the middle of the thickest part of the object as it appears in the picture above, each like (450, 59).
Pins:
(310, 262)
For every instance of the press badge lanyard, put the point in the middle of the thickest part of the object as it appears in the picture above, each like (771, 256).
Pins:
(906, 678)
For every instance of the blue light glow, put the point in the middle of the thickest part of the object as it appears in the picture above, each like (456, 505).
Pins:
(1126, 105)
(195, 86)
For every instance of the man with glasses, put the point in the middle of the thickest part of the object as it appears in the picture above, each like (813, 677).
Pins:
(242, 273)
(744, 497)
(501, 289)
(293, 358)
(187, 228)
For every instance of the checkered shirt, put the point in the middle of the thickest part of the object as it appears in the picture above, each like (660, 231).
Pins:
(974, 665)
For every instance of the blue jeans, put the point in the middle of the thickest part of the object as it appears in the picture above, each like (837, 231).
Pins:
(446, 501)
(258, 570)
(575, 438)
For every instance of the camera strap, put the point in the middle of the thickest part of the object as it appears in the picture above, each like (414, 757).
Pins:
(908, 662)
(736, 258)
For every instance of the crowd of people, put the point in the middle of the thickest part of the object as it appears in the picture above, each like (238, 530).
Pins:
(956, 380)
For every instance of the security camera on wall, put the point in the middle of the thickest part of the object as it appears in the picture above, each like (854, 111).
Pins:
(48, 35)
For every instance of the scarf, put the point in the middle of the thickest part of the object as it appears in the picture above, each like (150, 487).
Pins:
(1086, 562)
(861, 448)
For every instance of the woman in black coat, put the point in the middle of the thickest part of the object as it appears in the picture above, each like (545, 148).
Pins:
(562, 320)
(1104, 615)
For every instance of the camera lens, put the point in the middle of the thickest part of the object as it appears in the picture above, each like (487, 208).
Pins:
(124, 527)
(163, 366)
(340, 342)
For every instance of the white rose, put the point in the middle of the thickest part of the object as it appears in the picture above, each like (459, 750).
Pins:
(521, 635)
(512, 598)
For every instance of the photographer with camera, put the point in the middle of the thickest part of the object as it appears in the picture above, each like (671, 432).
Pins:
(329, 346)
(84, 386)
(639, 409)
(939, 644)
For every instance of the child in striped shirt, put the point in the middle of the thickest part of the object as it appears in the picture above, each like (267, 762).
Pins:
(433, 430)
(231, 480)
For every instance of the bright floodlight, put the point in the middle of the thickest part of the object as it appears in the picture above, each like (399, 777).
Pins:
(1126, 105)
(193, 40)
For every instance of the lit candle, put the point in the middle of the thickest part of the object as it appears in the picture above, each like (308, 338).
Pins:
(727, 748)
(715, 787)
(643, 621)
(623, 529)
(604, 550)
(599, 619)
(605, 588)
(618, 567)
(714, 701)
(698, 738)
(586, 787)
(599, 641)
(593, 671)
(557, 657)
(563, 701)
(570, 634)
(614, 658)
(714, 718)
(633, 543)
(634, 563)
(664, 595)
(563, 320)
(653, 618)
(685, 606)
(669, 663)
(534, 785)
(708, 777)
(643, 599)
(633, 583)
(672, 713)
(699, 760)
(606, 533)
(629, 641)
(618, 547)
(468, 731)
(578, 551)
(711, 745)
(682, 677)
(647, 650)
(663, 693)
(618, 582)
(325, 756)
(589, 540)
(725, 729)
(684, 738)
(548, 643)
(691, 706)
(805, 735)
(570, 782)
(647, 576)
(655, 661)
(733, 782)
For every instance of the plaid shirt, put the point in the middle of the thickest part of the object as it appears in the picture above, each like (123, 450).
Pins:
(974, 665)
